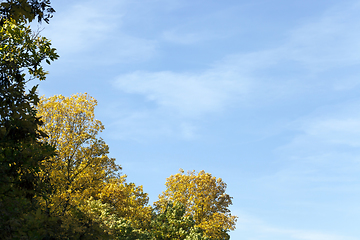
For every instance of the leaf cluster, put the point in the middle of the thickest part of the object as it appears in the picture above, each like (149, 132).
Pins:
(173, 224)
(26, 10)
(21, 49)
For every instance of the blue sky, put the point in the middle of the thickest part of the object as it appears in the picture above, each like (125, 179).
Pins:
(263, 94)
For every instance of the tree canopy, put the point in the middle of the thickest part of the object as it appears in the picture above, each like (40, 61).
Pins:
(204, 198)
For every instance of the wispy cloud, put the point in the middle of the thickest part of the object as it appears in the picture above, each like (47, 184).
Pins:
(80, 27)
(95, 28)
(311, 61)
(139, 125)
(250, 227)
(329, 42)
(328, 129)
(317, 46)
(321, 158)
(188, 94)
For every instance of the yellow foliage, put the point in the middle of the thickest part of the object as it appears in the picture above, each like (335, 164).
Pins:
(81, 165)
(128, 200)
(204, 198)
(82, 171)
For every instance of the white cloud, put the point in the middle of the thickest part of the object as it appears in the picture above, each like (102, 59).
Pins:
(95, 28)
(311, 61)
(190, 95)
(336, 131)
(328, 128)
(331, 41)
(179, 101)
(250, 227)
(317, 46)
(81, 26)
(322, 158)
(139, 125)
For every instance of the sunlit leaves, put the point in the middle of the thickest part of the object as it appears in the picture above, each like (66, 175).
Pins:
(20, 49)
(113, 226)
(204, 198)
(81, 167)
(128, 200)
(171, 223)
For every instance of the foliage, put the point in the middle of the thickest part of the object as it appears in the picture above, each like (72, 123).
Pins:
(128, 200)
(21, 49)
(21, 151)
(81, 166)
(204, 198)
(26, 10)
(173, 224)
(114, 227)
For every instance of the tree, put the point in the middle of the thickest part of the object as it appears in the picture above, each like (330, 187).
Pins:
(21, 149)
(81, 167)
(84, 177)
(204, 199)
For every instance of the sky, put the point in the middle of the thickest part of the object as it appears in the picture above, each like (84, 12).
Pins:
(263, 94)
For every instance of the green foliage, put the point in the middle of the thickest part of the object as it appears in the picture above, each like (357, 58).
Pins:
(114, 226)
(128, 200)
(21, 151)
(26, 10)
(21, 49)
(173, 224)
